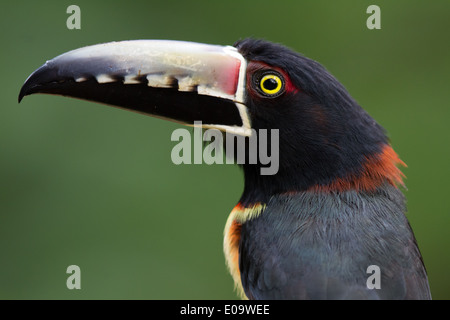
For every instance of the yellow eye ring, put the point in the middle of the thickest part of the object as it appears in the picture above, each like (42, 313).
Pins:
(271, 84)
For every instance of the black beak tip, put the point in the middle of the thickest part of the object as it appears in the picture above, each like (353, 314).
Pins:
(37, 81)
(29, 87)
(22, 93)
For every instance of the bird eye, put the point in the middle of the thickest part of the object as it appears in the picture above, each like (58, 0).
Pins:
(271, 84)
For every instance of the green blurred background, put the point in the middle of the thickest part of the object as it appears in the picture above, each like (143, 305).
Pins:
(86, 184)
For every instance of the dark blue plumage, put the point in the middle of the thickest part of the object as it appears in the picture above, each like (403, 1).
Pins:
(318, 246)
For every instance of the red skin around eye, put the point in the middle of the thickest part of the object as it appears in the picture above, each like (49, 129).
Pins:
(254, 66)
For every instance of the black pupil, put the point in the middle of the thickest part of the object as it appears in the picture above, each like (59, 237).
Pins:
(270, 84)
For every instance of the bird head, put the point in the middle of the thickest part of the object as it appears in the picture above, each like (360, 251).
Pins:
(327, 142)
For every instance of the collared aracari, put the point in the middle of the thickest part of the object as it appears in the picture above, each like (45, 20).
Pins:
(333, 209)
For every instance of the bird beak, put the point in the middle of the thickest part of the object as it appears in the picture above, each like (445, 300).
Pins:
(180, 81)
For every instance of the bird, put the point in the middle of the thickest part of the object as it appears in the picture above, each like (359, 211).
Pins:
(333, 211)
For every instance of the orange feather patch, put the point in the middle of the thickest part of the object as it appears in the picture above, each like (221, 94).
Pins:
(377, 169)
(232, 234)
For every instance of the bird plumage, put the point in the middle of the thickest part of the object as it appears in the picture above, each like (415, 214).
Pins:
(334, 208)
(318, 245)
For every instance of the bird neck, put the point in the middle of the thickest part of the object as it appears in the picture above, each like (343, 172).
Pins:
(368, 175)
(375, 171)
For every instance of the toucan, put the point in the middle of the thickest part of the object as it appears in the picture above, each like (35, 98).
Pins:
(330, 223)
